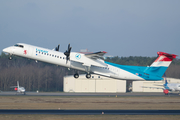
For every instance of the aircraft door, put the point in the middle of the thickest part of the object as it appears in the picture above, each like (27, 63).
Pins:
(28, 51)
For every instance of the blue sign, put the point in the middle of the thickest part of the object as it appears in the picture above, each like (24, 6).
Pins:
(78, 56)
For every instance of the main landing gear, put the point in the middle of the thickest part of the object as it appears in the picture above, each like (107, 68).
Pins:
(88, 75)
(76, 75)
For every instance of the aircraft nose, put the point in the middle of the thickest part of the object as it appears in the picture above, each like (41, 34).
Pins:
(6, 50)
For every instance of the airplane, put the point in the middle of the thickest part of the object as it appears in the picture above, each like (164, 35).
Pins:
(171, 87)
(19, 89)
(93, 63)
(167, 87)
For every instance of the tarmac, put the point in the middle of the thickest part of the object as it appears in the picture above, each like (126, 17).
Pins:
(89, 112)
(13, 93)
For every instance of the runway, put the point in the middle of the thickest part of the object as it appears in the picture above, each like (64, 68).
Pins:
(94, 112)
(115, 103)
(13, 93)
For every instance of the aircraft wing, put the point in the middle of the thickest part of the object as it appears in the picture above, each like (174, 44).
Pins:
(152, 87)
(13, 86)
(96, 55)
(88, 59)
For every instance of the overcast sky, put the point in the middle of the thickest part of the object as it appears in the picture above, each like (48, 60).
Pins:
(121, 28)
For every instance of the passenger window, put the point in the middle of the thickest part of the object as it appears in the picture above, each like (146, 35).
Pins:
(57, 56)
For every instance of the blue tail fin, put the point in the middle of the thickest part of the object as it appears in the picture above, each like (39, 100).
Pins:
(165, 79)
(160, 65)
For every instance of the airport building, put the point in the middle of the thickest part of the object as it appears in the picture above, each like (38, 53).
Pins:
(151, 86)
(96, 84)
(100, 84)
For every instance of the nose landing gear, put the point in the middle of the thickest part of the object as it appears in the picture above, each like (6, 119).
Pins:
(10, 57)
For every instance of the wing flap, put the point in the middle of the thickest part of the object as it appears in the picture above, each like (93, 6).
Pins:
(99, 73)
(96, 55)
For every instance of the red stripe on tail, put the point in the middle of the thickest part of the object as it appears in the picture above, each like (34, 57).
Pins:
(165, 57)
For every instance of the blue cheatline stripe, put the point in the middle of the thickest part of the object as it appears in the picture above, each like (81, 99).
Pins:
(147, 73)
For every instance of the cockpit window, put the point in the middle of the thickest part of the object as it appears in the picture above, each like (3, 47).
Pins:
(16, 45)
(19, 45)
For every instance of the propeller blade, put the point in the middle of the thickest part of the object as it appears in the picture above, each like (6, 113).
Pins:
(67, 53)
(68, 46)
(70, 49)
(67, 59)
(57, 48)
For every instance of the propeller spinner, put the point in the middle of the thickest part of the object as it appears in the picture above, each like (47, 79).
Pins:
(67, 53)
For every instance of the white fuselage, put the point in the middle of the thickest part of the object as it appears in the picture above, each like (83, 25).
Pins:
(77, 61)
(173, 87)
(21, 90)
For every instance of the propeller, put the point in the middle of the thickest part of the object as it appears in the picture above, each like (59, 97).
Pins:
(57, 48)
(67, 53)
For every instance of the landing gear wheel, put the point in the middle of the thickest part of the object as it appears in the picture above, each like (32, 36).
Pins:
(76, 75)
(88, 76)
(10, 57)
